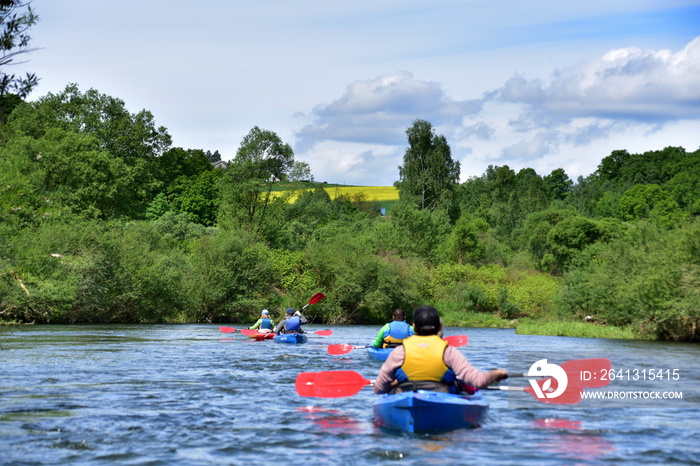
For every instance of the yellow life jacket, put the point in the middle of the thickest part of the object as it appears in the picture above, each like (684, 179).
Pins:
(423, 357)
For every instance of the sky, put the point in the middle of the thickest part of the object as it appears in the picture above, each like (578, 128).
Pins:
(541, 84)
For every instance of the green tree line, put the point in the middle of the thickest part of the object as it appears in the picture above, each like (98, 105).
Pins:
(103, 220)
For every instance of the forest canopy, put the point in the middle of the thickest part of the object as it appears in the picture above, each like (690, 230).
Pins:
(103, 220)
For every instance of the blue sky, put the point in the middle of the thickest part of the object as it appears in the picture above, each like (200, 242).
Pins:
(540, 84)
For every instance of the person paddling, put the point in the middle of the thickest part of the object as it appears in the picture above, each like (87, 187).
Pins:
(425, 362)
(393, 333)
(264, 324)
(291, 323)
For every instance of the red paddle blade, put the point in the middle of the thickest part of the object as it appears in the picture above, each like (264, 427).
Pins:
(304, 384)
(316, 298)
(227, 329)
(457, 340)
(570, 396)
(247, 331)
(588, 373)
(336, 350)
(330, 384)
(324, 333)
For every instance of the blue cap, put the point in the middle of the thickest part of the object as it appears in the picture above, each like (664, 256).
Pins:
(265, 311)
(290, 310)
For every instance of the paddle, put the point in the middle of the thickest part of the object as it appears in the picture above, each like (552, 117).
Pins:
(330, 384)
(228, 329)
(324, 333)
(570, 396)
(337, 384)
(576, 383)
(314, 299)
(344, 348)
(457, 340)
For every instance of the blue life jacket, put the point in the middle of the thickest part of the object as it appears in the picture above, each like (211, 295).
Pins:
(399, 330)
(266, 323)
(293, 325)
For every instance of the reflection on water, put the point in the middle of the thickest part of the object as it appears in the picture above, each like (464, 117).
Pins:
(333, 421)
(189, 394)
(568, 439)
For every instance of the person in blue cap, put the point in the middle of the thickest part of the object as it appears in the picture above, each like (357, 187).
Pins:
(292, 322)
(264, 324)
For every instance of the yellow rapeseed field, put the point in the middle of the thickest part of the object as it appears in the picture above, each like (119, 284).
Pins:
(370, 193)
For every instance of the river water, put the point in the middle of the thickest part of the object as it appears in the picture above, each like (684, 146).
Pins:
(191, 395)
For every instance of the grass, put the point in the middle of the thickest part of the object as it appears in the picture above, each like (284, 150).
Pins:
(474, 319)
(531, 326)
(573, 329)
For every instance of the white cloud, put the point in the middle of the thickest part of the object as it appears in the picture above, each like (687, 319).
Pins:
(353, 163)
(629, 83)
(379, 110)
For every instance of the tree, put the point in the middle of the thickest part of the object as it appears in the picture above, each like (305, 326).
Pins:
(572, 235)
(464, 245)
(91, 151)
(178, 162)
(611, 167)
(261, 162)
(301, 172)
(557, 184)
(264, 154)
(15, 21)
(428, 173)
(215, 157)
(503, 212)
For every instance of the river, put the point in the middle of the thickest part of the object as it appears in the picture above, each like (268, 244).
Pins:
(192, 395)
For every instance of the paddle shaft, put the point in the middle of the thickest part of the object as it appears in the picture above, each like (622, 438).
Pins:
(338, 349)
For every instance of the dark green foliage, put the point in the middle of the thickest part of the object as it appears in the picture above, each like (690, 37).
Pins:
(557, 185)
(85, 153)
(466, 241)
(247, 199)
(229, 275)
(102, 222)
(428, 175)
(198, 196)
(417, 231)
(648, 278)
(366, 287)
(569, 237)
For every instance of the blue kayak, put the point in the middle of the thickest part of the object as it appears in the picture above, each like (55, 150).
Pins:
(425, 411)
(291, 338)
(379, 354)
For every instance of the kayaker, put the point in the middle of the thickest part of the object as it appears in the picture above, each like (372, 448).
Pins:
(393, 333)
(426, 362)
(264, 324)
(292, 322)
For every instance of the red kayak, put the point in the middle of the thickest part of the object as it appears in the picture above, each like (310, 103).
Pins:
(260, 336)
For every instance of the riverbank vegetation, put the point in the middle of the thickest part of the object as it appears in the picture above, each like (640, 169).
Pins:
(102, 220)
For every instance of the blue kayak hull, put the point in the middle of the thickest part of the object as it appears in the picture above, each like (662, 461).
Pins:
(291, 338)
(379, 354)
(426, 411)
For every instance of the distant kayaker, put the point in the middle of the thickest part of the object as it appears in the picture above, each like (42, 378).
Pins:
(426, 362)
(264, 324)
(393, 333)
(292, 322)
